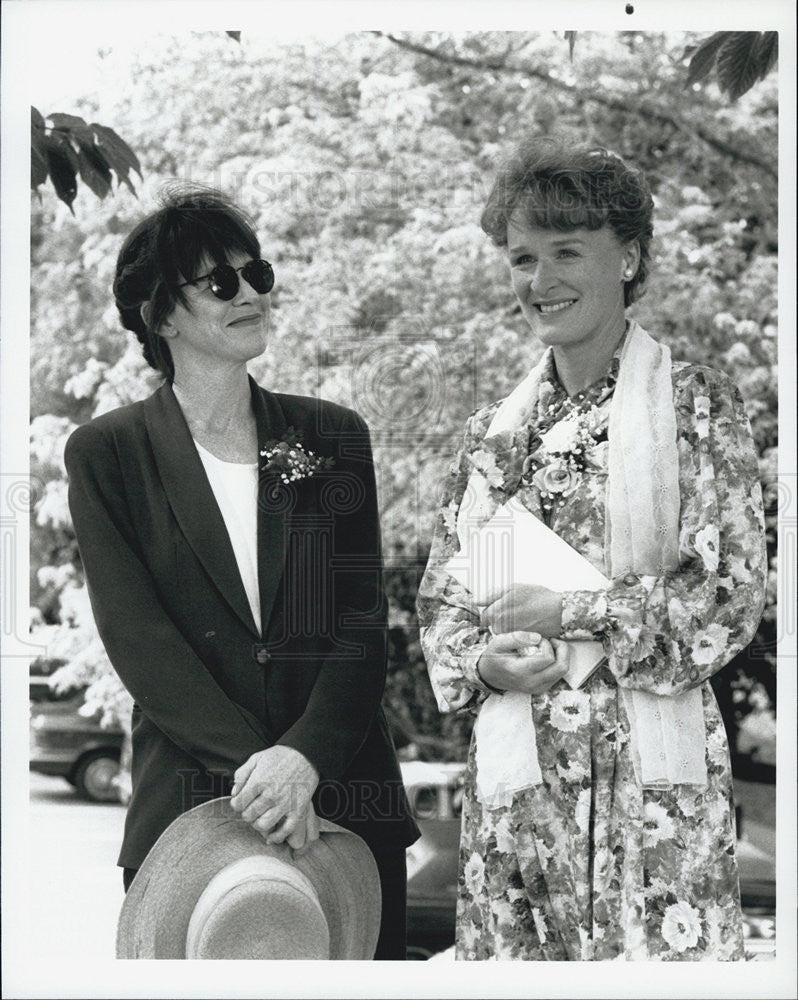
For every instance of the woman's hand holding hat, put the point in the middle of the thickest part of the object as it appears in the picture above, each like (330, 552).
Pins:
(528, 607)
(302, 838)
(273, 791)
(212, 888)
(522, 661)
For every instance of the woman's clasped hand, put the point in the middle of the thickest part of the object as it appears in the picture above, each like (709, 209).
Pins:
(523, 661)
(525, 606)
(273, 792)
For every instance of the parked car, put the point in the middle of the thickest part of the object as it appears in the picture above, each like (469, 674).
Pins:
(65, 743)
(435, 793)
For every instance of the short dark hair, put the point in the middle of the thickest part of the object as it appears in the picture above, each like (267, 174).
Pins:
(572, 187)
(167, 248)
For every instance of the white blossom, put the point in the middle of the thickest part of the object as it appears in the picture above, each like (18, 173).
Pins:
(707, 542)
(709, 644)
(657, 824)
(474, 874)
(681, 926)
(570, 710)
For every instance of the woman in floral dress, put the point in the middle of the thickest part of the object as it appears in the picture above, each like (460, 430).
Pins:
(617, 841)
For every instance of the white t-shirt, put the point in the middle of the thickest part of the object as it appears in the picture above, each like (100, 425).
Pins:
(235, 487)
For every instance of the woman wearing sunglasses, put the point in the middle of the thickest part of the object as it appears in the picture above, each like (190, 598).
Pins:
(231, 545)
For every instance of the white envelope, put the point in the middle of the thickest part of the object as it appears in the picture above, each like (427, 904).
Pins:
(516, 547)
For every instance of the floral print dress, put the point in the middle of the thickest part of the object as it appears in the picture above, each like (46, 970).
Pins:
(589, 865)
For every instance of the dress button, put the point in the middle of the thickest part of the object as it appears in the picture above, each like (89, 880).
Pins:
(694, 674)
(262, 654)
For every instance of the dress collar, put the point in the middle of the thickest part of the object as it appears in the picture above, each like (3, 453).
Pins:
(552, 397)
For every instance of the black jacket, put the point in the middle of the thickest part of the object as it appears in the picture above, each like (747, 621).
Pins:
(173, 615)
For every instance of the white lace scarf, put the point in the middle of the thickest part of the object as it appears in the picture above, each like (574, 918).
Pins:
(668, 738)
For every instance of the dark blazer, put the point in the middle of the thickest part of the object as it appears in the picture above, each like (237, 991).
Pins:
(171, 609)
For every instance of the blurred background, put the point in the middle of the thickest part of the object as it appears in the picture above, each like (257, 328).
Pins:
(365, 160)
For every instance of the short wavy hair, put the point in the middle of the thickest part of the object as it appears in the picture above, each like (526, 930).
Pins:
(563, 187)
(167, 248)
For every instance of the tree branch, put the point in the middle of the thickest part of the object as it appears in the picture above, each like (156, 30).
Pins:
(650, 114)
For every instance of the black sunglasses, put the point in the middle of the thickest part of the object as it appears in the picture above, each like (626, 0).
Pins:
(223, 279)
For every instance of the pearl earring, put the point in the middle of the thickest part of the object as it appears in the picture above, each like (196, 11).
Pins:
(628, 273)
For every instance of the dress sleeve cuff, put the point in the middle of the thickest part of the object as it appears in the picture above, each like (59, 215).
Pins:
(468, 663)
(584, 614)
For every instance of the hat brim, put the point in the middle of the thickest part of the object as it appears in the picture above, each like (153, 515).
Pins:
(155, 915)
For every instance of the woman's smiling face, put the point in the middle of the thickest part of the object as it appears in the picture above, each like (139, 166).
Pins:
(233, 330)
(569, 284)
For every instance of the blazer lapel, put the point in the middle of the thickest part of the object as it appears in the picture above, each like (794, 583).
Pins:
(274, 515)
(191, 498)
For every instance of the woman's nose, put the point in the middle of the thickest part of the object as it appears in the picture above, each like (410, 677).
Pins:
(543, 276)
(245, 293)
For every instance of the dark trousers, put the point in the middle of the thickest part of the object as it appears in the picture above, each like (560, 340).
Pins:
(392, 866)
(392, 942)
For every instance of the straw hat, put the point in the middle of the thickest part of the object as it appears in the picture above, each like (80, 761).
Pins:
(211, 887)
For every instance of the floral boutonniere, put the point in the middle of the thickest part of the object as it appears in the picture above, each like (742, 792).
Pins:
(290, 460)
(565, 451)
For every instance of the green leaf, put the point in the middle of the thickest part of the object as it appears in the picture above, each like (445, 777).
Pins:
(66, 121)
(116, 150)
(59, 141)
(738, 66)
(570, 37)
(704, 58)
(62, 174)
(38, 140)
(38, 149)
(117, 153)
(94, 170)
(768, 52)
(38, 168)
(80, 134)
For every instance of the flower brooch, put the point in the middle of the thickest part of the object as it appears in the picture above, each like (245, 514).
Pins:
(565, 452)
(290, 460)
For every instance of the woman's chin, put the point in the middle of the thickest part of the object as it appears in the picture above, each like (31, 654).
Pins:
(257, 353)
(550, 328)
(553, 336)
(256, 347)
